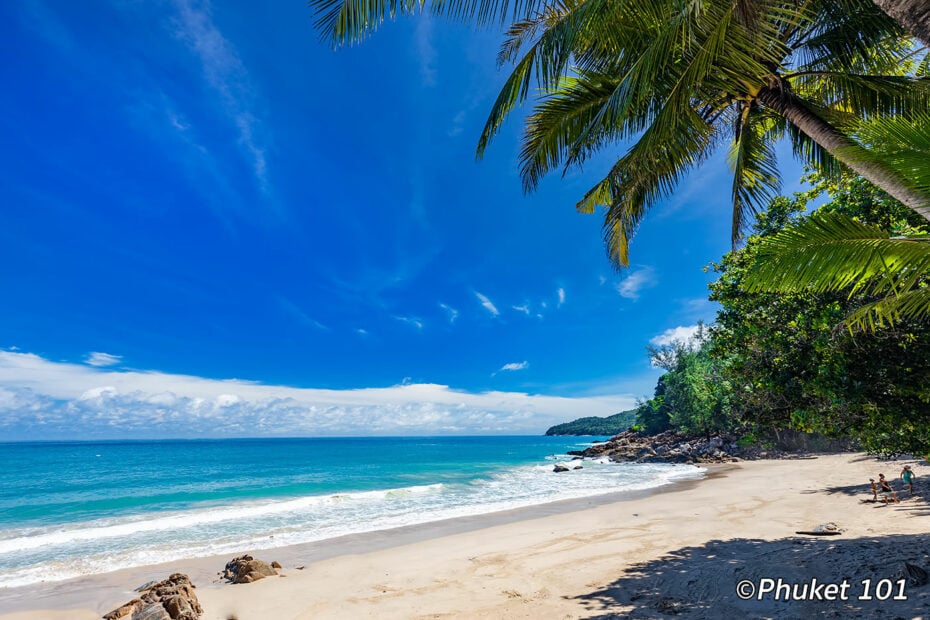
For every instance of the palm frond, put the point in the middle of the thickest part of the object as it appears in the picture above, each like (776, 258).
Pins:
(832, 252)
(847, 35)
(902, 143)
(546, 62)
(756, 179)
(350, 21)
(647, 173)
(912, 305)
(863, 97)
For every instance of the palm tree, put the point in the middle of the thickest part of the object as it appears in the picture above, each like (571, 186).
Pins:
(679, 79)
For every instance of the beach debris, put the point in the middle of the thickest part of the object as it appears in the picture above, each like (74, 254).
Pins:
(246, 569)
(825, 529)
(275, 565)
(559, 469)
(170, 599)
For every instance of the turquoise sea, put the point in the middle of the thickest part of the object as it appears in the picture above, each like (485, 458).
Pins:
(77, 508)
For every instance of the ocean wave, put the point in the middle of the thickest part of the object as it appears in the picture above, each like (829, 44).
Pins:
(61, 552)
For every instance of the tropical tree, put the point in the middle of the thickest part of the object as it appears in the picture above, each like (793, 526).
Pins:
(786, 360)
(679, 79)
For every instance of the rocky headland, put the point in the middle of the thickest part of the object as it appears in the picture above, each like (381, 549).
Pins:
(669, 447)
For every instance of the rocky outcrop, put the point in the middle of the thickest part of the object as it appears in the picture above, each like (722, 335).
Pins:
(668, 447)
(246, 569)
(170, 599)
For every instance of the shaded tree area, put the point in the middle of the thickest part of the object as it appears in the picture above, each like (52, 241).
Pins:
(700, 581)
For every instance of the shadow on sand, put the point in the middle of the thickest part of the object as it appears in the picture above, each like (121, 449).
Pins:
(701, 582)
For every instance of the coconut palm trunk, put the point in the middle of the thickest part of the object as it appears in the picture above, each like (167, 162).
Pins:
(843, 148)
(912, 15)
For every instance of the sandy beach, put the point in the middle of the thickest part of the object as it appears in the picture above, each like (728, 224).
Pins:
(678, 552)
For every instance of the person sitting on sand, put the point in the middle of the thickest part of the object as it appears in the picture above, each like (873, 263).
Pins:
(907, 477)
(886, 488)
(874, 489)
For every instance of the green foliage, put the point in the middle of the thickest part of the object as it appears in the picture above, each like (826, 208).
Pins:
(693, 397)
(788, 362)
(611, 425)
(779, 364)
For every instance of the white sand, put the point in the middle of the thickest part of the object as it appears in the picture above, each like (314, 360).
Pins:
(678, 552)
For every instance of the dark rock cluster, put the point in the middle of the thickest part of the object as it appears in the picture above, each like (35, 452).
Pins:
(669, 447)
(169, 599)
(246, 569)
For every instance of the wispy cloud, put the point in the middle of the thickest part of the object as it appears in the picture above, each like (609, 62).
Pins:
(412, 321)
(98, 358)
(453, 313)
(227, 76)
(631, 286)
(41, 399)
(458, 124)
(296, 312)
(561, 294)
(516, 366)
(488, 305)
(683, 333)
(525, 309)
(426, 51)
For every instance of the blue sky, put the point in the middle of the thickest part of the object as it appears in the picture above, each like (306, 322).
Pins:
(201, 193)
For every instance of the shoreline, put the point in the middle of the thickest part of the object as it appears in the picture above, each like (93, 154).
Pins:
(85, 592)
(678, 549)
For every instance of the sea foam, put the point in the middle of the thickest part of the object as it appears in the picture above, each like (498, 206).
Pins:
(62, 551)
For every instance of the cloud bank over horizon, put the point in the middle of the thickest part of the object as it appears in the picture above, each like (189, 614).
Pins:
(46, 400)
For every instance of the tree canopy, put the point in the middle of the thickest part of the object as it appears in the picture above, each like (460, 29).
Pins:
(671, 82)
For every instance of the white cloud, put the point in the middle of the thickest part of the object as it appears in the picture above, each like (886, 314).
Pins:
(489, 306)
(683, 333)
(631, 286)
(41, 399)
(525, 309)
(97, 358)
(516, 366)
(361, 332)
(453, 313)
(561, 293)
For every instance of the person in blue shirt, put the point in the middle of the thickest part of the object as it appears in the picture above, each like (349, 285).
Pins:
(907, 477)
